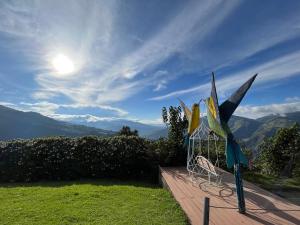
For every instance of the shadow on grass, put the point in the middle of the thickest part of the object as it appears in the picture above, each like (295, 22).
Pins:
(96, 182)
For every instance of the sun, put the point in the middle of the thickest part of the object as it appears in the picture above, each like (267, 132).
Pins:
(63, 64)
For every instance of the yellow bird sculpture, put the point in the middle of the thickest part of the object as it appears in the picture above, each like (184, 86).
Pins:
(193, 116)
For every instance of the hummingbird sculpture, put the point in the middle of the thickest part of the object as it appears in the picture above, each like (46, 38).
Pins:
(218, 117)
(193, 116)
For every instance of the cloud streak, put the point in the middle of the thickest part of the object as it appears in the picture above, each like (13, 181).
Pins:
(274, 70)
(98, 80)
(115, 59)
(255, 112)
(49, 109)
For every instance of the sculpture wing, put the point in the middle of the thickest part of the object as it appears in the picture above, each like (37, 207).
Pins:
(195, 121)
(212, 101)
(186, 111)
(213, 115)
(229, 106)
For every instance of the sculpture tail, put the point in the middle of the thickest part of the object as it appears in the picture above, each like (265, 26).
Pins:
(234, 154)
(235, 157)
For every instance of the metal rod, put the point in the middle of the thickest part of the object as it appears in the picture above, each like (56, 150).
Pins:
(206, 211)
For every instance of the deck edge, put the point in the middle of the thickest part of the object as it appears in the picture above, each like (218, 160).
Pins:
(163, 183)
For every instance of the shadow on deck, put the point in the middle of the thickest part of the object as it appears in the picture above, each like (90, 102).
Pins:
(262, 206)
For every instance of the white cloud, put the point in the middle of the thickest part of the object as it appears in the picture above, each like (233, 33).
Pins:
(274, 70)
(160, 79)
(45, 108)
(155, 122)
(110, 69)
(254, 112)
(293, 99)
(81, 117)
(120, 112)
(93, 118)
(160, 86)
(106, 71)
(43, 95)
(8, 104)
(50, 109)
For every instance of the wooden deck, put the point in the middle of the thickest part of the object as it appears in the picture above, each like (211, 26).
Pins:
(262, 206)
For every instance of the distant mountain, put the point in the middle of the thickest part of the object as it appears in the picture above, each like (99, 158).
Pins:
(269, 125)
(243, 127)
(163, 132)
(17, 124)
(251, 131)
(116, 124)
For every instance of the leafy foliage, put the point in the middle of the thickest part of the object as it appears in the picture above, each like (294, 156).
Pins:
(69, 158)
(176, 123)
(216, 152)
(166, 152)
(125, 130)
(279, 154)
(173, 148)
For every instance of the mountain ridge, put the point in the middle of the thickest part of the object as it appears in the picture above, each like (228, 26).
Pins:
(116, 124)
(251, 131)
(18, 124)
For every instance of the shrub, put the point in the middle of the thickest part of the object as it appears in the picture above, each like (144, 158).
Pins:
(168, 153)
(58, 158)
(279, 155)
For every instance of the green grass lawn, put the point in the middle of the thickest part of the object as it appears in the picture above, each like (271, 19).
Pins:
(88, 202)
(288, 188)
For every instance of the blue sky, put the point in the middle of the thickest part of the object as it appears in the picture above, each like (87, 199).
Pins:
(131, 58)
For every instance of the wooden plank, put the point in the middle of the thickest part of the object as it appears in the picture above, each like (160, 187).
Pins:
(262, 206)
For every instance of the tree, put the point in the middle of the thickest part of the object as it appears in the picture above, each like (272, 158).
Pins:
(278, 154)
(289, 140)
(125, 130)
(177, 125)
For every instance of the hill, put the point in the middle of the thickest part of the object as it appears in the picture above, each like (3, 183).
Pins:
(251, 131)
(116, 124)
(163, 132)
(268, 127)
(17, 124)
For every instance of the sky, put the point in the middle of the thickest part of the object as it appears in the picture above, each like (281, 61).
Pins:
(103, 60)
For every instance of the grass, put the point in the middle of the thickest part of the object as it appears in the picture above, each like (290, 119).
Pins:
(288, 188)
(95, 202)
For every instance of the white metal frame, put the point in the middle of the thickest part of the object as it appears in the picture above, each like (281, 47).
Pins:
(198, 165)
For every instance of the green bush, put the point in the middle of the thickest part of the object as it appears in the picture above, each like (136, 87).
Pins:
(168, 153)
(63, 158)
(279, 155)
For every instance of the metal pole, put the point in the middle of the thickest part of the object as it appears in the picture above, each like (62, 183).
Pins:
(239, 188)
(206, 211)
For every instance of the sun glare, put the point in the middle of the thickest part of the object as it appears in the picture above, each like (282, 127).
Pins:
(62, 64)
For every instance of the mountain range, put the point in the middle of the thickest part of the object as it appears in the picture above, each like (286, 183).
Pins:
(17, 124)
(145, 130)
(251, 131)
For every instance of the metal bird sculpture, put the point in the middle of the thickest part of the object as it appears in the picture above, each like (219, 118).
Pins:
(193, 116)
(218, 117)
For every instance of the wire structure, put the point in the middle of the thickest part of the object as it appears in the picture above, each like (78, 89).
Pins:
(202, 143)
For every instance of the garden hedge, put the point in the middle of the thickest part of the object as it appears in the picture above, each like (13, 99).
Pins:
(61, 158)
